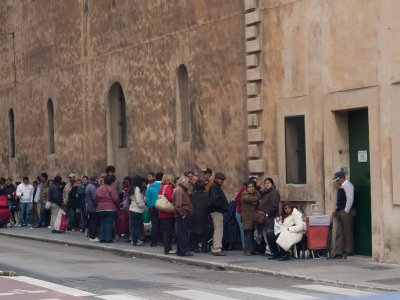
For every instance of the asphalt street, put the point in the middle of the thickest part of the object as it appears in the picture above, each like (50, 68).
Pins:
(53, 271)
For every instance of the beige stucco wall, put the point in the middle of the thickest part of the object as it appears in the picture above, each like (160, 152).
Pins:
(74, 56)
(321, 58)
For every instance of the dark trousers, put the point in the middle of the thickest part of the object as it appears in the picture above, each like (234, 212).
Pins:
(107, 219)
(167, 229)
(136, 221)
(182, 234)
(199, 238)
(154, 225)
(271, 238)
(92, 224)
(43, 217)
(344, 242)
(249, 243)
(84, 215)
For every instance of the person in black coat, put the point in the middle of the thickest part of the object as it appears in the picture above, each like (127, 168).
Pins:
(199, 223)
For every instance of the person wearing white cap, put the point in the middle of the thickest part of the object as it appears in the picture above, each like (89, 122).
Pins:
(344, 213)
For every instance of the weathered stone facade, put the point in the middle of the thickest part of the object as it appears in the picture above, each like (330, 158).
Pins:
(250, 65)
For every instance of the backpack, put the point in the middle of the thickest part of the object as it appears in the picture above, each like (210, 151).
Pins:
(231, 239)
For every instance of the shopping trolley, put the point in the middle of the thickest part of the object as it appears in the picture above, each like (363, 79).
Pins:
(318, 227)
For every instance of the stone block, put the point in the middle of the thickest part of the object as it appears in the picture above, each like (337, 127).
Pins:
(255, 135)
(253, 46)
(252, 60)
(254, 104)
(253, 151)
(252, 120)
(257, 166)
(251, 32)
(252, 17)
(252, 89)
(250, 5)
(253, 74)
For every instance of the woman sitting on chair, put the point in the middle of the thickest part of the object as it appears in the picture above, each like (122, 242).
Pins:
(289, 232)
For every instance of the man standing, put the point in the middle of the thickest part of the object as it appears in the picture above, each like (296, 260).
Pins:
(217, 205)
(67, 189)
(10, 189)
(25, 193)
(344, 213)
(151, 198)
(207, 177)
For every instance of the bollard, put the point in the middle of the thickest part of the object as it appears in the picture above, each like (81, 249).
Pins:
(8, 273)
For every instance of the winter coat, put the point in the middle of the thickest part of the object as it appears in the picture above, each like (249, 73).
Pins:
(269, 203)
(90, 197)
(182, 203)
(137, 201)
(73, 198)
(217, 201)
(152, 193)
(294, 234)
(55, 194)
(249, 205)
(199, 223)
(107, 198)
(168, 194)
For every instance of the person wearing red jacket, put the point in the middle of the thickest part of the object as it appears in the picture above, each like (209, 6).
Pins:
(107, 206)
(167, 220)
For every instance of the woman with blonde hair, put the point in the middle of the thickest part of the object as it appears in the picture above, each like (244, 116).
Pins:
(167, 220)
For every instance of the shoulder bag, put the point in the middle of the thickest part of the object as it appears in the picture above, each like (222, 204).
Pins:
(259, 217)
(163, 204)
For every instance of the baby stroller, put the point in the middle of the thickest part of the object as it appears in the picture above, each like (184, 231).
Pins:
(5, 213)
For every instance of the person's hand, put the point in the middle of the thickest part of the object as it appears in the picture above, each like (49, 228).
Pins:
(334, 213)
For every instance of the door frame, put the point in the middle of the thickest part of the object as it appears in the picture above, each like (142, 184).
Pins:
(366, 98)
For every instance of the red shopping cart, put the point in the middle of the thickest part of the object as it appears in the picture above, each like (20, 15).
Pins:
(317, 234)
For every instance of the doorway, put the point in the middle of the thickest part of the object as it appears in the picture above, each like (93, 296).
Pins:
(359, 162)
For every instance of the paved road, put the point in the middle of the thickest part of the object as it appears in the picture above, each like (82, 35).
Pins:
(51, 271)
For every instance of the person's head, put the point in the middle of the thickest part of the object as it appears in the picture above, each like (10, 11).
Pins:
(167, 178)
(287, 208)
(151, 177)
(189, 173)
(110, 170)
(127, 181)
(145, 182)
(207, 173)
(194, 179)
(85, 180)
(71, 178)
(57, 179)
(159, 176)
(137, 181)
(25, 180)
(220, 178)
(184, 181)
(2, 182)
(8, 181)
(250, 186)
(176, 178)
(43, 177)
(49, 182)
(109, 179)
(93, 179)
(269, 183)
(199, 185)
(34, 183)
(339, 178)
(78, 182)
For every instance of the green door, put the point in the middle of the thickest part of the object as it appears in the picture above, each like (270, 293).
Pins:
(361, 179)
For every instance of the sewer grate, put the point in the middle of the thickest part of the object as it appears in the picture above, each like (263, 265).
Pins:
(389, 281)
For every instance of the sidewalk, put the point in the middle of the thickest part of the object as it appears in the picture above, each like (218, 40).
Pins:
(351, 272)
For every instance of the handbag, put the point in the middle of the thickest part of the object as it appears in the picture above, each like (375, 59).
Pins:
(259, 217)
(163, 204)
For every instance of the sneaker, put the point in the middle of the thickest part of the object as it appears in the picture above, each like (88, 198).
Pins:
(139, 243)
(18, 225)
(49, 227)
(219, 253)
(96, 240)
(171, 252)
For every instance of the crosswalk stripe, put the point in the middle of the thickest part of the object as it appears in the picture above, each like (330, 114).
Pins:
(198, 295)
(273, 293)
(334, 290)
(52, 286)
(120, 297)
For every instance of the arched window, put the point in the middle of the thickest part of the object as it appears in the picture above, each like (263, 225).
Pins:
(50, 116)
(122, 120)
(12, 132)
(117, 109)
(184, 101)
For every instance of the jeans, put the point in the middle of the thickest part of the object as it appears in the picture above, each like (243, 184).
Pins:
(84, 215)
(182, 233)
(154, 225)
(43, 216)
(12, 209)
(239, 221)
(73, 221)
(136, 221)
(92, 224)
(24, 217)
(249, 243)
(107, 219)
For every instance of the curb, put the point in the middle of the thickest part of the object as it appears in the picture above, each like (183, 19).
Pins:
(204, 264)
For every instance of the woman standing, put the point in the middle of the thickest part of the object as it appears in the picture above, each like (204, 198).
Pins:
(269, 204)
(249, 201)
(136, 207)
(55, 197)
(107, 206)
(73, 205)
(291, 232)
(167, 220)
(200, 221)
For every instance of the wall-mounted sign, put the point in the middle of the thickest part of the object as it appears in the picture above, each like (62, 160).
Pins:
(362, 155)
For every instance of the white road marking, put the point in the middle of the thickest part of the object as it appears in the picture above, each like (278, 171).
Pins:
(197, 295)
(273, 293)
(52, 286)
(120, 297)
(21, 292)
(334, 290)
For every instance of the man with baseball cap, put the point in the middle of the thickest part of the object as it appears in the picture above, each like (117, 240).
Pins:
(344, 213)
(207, 177)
